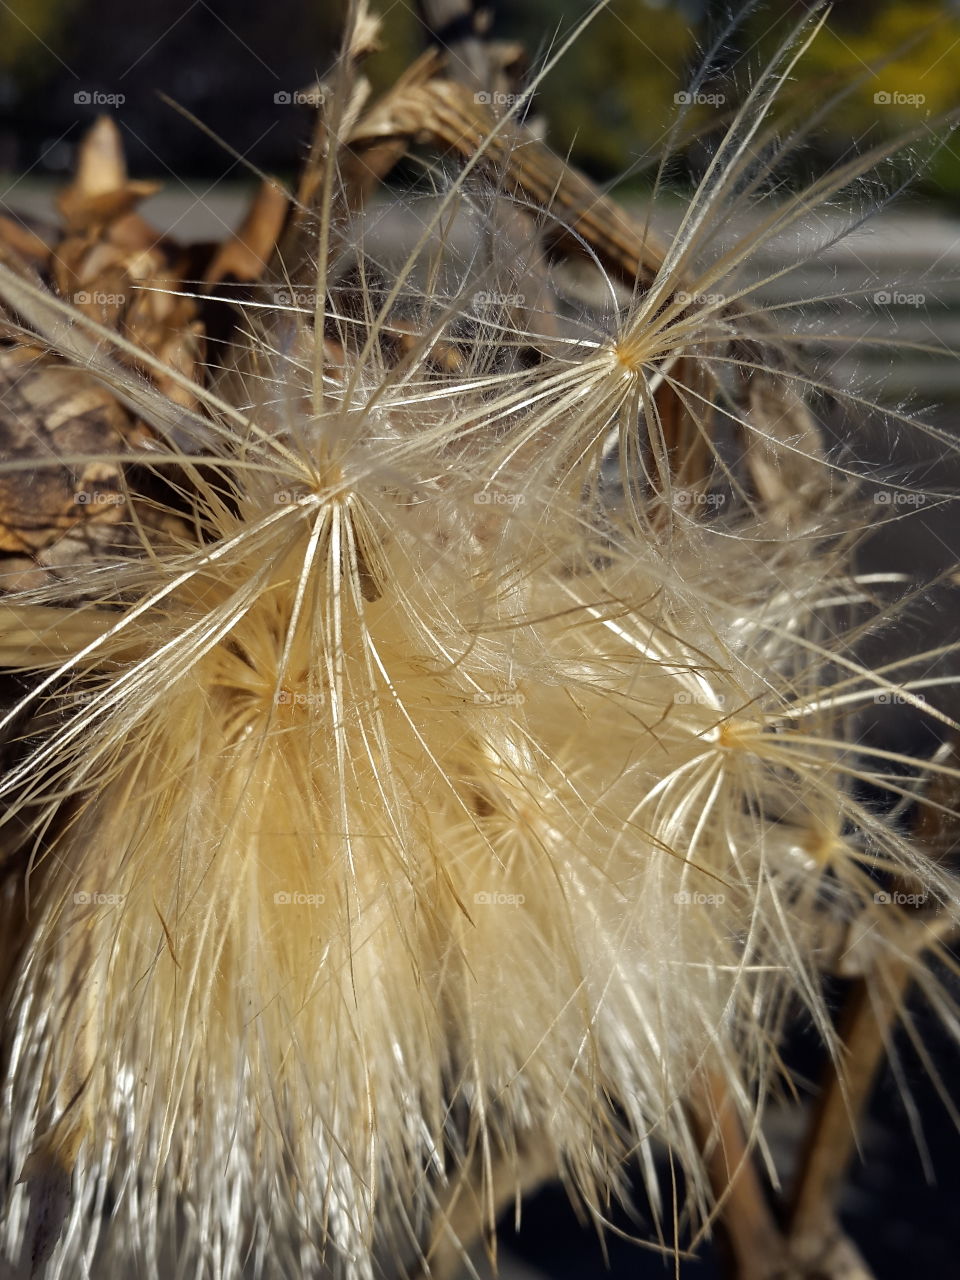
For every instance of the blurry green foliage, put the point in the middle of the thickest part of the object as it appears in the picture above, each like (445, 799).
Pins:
(907, 59)
(402, 38)
(28, 30)
(911, 50)
(610, 98)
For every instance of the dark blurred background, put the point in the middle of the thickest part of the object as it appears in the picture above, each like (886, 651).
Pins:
(228, 61)
(609, 104)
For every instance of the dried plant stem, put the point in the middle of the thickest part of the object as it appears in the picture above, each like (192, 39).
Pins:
(867, 1020)
(448, 114)
(473, 1205)
(831, 1139)
(754, 1245)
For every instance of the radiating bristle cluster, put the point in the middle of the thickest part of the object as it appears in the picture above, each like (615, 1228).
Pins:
(458, 782)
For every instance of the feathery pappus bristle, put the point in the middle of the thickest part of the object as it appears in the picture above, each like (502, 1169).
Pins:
(447, 777)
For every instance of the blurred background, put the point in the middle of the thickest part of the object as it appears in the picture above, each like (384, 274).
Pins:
(228, 61)
(609, 104)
